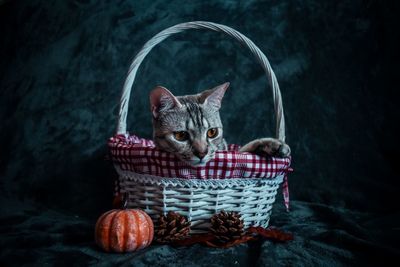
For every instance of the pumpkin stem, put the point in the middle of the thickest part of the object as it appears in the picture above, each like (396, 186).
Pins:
(125, 199)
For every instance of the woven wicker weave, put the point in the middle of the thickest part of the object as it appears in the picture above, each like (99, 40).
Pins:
(196, 198)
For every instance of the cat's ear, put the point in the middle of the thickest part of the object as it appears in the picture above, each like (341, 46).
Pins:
(214, 96)
(161, 99)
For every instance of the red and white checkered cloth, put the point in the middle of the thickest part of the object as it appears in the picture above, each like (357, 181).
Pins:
(139, 155)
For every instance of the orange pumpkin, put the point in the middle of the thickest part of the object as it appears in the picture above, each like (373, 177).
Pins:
(124, 230)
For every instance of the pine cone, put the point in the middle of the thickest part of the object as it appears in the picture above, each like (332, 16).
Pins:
(171, 227)
(227, 226)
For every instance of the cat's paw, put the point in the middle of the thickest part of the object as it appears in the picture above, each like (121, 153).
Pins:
(268, 146)
(277, 149)
(284, 150)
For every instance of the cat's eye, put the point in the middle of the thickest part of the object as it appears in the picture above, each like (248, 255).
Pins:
(181, 136)
(213, 132)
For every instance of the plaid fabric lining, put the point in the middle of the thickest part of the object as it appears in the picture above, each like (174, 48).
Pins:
(139, 155)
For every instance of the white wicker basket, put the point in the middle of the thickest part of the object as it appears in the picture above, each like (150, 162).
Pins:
(196, 198)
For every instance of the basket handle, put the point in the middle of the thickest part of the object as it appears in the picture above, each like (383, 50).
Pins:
(261, 58)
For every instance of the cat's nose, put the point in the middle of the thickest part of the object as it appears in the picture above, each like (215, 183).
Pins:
(200, 154)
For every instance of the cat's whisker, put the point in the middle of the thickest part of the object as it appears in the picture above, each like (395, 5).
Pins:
(190, 126)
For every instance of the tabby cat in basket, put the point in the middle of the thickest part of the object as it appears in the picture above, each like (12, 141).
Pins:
(190, 126)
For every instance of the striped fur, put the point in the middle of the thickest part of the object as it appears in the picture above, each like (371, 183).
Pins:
(195, 115)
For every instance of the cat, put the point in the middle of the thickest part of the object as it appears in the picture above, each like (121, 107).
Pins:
(190, 126)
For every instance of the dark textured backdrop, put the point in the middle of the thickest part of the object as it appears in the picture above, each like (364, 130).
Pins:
(63, 64)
